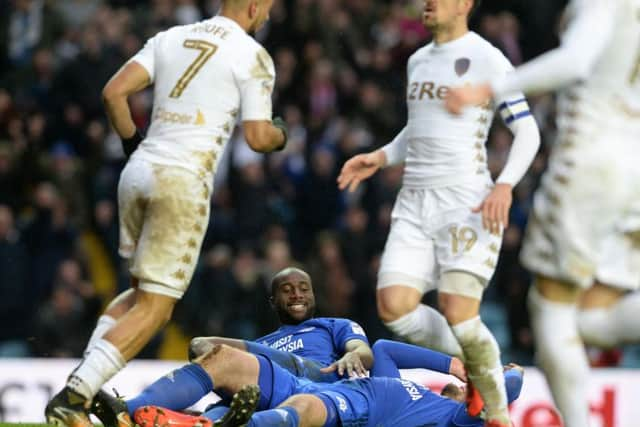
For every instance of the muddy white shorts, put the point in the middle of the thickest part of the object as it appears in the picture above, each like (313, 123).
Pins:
(164, 213)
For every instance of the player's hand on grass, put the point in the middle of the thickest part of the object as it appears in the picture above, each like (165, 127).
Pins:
(457, 369)
(495, 209)
(360, 167)
(458, 98)
(350, 363)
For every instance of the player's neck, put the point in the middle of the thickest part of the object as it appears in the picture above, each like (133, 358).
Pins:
(241, 19)
(449, 34)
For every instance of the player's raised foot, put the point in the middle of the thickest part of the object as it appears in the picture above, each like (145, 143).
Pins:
(243, 405)
(111, 410)
(475, 404)
(155, 416)
(67, 408)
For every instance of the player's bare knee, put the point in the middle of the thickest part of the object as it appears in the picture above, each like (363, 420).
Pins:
(211, 357)
(392, 305)
(557, 290)
(459, 296)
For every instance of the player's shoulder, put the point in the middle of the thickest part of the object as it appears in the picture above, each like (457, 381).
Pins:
(483, 50)
(331, 320)
(329, 323)
(267, 337)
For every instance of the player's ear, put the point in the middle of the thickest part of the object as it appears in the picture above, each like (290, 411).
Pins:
(253, 8)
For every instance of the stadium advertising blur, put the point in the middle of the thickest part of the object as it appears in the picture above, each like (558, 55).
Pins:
(27, 384)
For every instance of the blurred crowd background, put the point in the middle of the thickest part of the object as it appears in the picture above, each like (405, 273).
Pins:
(341, 88)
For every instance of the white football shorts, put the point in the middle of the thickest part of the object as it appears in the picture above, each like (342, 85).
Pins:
(164, 213)
(433, 231)
(585, 224)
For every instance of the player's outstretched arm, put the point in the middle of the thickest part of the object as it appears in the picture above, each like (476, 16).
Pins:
(391, 356)
(129, 79)
(587, 36)
(360, 167)
(357, 359)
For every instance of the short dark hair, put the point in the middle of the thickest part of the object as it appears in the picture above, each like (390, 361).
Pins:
(474, 7)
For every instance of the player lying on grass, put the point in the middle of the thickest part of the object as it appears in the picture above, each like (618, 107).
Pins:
(287, 400)
(303, 344)
(321, 349)
(315, 343)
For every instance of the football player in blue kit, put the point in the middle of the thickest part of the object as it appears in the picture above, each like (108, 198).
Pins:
(320, 349)
(286, 400)
(303, 344)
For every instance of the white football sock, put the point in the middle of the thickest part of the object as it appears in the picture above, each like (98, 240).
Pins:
(561, 355)
(482, 360)
(105, 322)
(99, 366)
(612, 326)
(426, 327)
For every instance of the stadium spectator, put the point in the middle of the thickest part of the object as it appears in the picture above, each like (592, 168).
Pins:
(15, 300)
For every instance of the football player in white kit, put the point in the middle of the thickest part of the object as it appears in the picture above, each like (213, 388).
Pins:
(585, 227)
(206, 76)
(448, 218)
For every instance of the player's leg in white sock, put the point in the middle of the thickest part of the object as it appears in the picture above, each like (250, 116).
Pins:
(460, 295)
(116, 309)
(400, 309)
(608, 324)
(105, 322)
(122, 342)
(102, 362)
(561, 355)
(482, 360)
(426, 327)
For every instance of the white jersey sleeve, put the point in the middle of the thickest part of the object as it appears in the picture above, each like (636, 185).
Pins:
(256, 78)
(396, 151)
(147, 56)
(591, 25)
(514, 111)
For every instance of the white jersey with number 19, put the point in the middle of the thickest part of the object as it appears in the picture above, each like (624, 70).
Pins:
(206, 75)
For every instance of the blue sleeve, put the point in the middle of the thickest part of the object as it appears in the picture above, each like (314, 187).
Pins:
(391, 356)
(513, 382)
(345, 330)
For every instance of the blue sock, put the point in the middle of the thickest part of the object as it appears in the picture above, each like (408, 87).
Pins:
(177, 390)
(216, 412)
(284, 416)
(265, 381)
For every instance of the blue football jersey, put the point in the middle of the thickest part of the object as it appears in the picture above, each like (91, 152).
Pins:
(320, 339)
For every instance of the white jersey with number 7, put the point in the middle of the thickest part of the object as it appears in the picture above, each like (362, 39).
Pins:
(207, 76)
